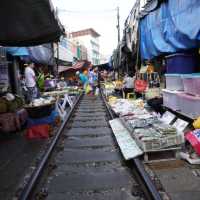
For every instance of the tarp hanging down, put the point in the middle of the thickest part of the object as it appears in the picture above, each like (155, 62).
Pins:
(171, 28)
(28, 23)
(42, 54)
(17, 51)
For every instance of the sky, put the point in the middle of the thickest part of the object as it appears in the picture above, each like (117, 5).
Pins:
(98, 14)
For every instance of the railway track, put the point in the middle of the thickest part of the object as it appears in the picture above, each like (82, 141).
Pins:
(89, 166)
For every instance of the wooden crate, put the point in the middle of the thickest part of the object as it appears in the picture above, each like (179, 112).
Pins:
(161, 155)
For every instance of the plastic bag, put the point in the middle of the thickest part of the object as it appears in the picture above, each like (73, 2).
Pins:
(140, 85)
(152, 93)
(196, 123)
(88, 89)
(193, 137)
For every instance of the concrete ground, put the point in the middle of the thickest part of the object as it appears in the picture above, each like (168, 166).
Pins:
(180, 180)
(17, 155)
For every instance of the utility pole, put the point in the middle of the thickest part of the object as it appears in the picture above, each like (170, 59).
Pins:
(57, 49)
(118, 29)
(118, 24)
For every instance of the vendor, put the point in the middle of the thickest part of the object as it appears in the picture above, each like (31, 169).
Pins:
(30, 81)
(128, 84)
(61, 83)
(50, 83)
(119, 88)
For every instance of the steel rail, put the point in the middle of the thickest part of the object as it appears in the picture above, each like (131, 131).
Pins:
(152, 193)
(29, 188)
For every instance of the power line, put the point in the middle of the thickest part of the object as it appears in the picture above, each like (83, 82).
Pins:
(87, 11)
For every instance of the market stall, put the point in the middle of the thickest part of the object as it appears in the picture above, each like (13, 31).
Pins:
(49, 110)
(181, 97)
(12, 114)
(151, 133)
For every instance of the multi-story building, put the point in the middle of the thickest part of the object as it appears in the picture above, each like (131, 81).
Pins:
(70, 50)
(81, 50)
(90, 39)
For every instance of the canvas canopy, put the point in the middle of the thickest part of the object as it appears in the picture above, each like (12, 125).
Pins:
(28, 23)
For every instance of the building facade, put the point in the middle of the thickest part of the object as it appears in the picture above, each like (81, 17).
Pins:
(70, 50)
(90, 39)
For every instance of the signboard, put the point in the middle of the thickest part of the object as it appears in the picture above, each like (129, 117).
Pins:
(127, 144)
(180, 124)
(167, 117)
(64, 52)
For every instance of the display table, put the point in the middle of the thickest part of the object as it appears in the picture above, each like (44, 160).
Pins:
(154, 135)
(62, 92)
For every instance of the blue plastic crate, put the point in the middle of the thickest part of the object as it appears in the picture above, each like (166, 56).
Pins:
(181, 63)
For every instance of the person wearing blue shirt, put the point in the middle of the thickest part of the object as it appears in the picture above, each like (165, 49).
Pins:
(83, 78)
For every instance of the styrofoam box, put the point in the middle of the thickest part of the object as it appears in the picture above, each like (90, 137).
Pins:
(174, 82)
(171, 99)
(189, 105)
(191, 83)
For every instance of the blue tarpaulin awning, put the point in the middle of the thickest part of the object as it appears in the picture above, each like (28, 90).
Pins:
(17, 51)
(171, 28)
(42, 54)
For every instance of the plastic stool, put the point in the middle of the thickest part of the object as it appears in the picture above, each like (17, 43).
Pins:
(131, 95)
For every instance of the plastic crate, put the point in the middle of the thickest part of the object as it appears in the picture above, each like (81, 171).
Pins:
(171, 99)
(191, 83)
(189, 105)
(181, 63)
(174, 82)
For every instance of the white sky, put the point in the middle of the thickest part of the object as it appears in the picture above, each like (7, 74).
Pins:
(98, 14)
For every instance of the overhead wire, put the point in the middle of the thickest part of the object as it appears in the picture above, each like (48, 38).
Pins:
(87, 11)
